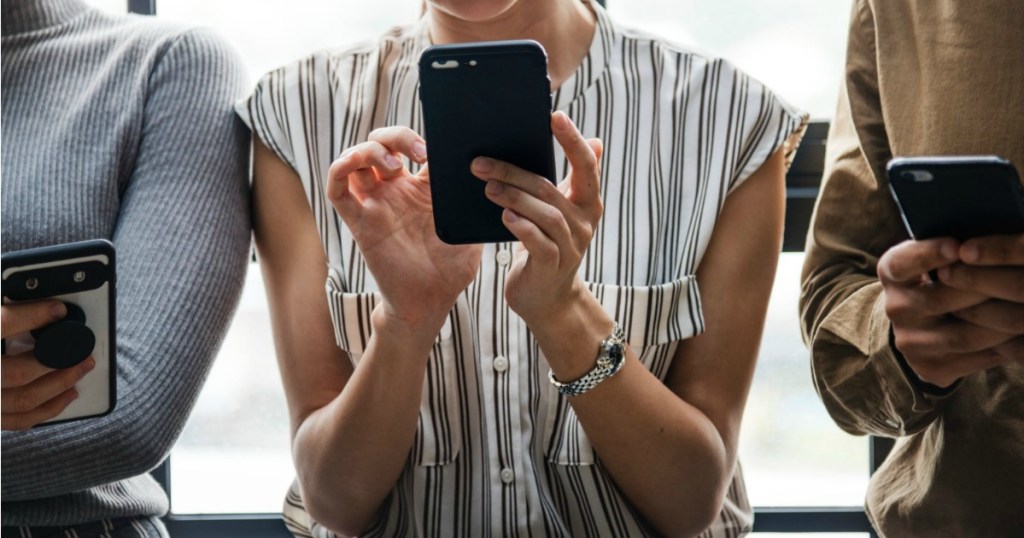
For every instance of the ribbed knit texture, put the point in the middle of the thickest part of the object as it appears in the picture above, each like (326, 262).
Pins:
(122, 128)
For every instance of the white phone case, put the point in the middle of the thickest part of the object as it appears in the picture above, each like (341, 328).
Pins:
(95, 296)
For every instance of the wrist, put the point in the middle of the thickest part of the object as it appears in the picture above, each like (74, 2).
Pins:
(420, 328)
(570, 336)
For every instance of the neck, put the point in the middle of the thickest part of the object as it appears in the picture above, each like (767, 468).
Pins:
(564, 27)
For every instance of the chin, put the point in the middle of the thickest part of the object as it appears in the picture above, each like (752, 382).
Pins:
(472, 10)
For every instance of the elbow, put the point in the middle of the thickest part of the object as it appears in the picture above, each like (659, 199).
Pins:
(330, 512)
(697, 518)
(143, 452)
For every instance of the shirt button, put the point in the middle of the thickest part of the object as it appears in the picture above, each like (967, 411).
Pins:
(503, 257)
(500, 364)
(507, 476)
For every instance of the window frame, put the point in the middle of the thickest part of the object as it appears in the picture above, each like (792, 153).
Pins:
(802, 184)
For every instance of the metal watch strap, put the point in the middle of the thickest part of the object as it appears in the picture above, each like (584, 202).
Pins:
(610, 358)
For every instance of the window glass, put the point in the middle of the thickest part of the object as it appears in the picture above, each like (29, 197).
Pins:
(233, 456)
(792, 453)
(796, 47)
(110, 6)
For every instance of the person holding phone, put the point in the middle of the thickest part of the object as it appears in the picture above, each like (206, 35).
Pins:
(118, 128)
(588, 379)
(937, 363)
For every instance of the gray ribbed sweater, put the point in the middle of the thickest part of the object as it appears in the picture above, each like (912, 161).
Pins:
(122, 128)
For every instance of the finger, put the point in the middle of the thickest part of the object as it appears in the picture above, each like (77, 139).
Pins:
(947, 336)
(584, 158)
(46, 411)
(1012, 350)
(997, 282)
(355, 173)
(402, 140)
(917, 305)
(21, 369)
(944, 371)
(548, 218)
(997, 315)
(376, 157)
(494, 170)
(27, 398)
(994, 250)
(24, 317)
(907, 261)
(539, 246)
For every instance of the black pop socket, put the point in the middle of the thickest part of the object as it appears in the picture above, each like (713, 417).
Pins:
(64, 343)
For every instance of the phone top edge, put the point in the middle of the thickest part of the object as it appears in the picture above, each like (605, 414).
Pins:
(905, 161)
(484, 47)
(58, 252)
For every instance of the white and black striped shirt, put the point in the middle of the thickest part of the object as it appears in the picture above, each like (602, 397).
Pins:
(498, 452)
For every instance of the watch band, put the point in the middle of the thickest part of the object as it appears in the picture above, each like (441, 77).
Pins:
(610, 358)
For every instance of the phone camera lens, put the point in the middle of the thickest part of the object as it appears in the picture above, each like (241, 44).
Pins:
(32, 283)
(79, 276)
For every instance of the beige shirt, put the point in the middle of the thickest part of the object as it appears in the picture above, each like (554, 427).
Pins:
(941, 77)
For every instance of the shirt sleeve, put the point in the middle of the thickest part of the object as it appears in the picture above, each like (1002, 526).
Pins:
(762, 122)
(182, 236)
(857, 373)
(265, 112)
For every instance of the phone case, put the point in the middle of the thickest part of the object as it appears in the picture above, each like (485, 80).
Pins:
(83, 276)
(488, 99)
(959, 197)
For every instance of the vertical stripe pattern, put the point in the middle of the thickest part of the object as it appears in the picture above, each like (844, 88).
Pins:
(498, 452)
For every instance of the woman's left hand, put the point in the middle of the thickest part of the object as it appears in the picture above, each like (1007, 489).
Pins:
(554, 224)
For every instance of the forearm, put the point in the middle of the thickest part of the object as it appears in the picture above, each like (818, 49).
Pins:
(857, 373)
(350, 453)
(665, 455)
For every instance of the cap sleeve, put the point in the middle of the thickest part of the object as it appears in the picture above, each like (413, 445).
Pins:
(769, 123)
(265, 113)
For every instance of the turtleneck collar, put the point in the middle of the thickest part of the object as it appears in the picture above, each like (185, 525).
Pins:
(23, 16)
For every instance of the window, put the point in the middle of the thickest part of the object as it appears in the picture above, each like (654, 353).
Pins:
(233, 457)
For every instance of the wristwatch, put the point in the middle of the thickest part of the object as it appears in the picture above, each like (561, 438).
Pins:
(611, 355)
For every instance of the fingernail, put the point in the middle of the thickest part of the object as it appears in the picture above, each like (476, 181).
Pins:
(392, 161)
(74, 394)
(419, 149)
(971, 252)
(561, 121)
(58, 311)
(88, 364)
(949, 250)
(511, 216)
(495, 187)
(483, 164)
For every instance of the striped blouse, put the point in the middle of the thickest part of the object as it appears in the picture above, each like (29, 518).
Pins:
(498, 452)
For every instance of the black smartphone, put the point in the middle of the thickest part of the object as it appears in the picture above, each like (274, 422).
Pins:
(490, 99)
(959, 197)
(82, 275)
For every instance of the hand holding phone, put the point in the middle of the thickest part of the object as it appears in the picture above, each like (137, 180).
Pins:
(969, 322)
(58, 334)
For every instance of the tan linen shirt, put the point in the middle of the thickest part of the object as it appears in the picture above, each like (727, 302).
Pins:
(940, 77)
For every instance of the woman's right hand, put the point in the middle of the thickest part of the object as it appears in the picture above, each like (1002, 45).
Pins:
(389, 212)
(33, 393)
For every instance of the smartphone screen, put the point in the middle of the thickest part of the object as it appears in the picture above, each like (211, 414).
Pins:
(959, 197)
(489, 99)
